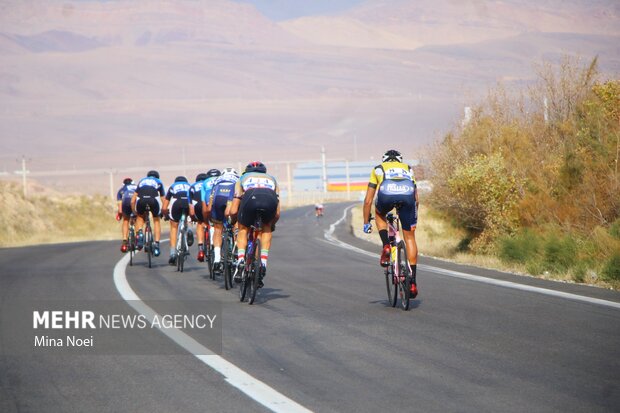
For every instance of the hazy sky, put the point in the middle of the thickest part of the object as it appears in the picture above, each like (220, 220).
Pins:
(290, 9)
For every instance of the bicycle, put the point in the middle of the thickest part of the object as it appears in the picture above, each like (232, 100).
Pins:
(398, 275)
(131, 238)
(228, 253)
(182, 247)
(209, 251)
(148, 235)
(250, 278)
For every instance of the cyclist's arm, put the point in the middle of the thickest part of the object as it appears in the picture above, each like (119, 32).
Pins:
(370, 195)
(234, 208)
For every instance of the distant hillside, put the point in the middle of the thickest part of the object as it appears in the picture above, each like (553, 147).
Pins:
(126, 83)
(406, 24)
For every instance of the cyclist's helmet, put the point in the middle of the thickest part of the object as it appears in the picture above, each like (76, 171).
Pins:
(256, 166)
(230, 172)
(153, 174)
(392, 155)
(180, 179)
(127, 181)
(213, 173)
(201, 177)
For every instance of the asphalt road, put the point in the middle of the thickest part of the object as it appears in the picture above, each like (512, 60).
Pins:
(322, 334)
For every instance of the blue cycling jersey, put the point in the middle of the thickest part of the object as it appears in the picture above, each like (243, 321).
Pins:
(150, 187)
(126, 192)
(207, 186)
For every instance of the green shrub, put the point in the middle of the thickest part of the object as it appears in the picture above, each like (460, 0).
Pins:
(611, 271)
(521, 248)
(614, 229)
(560, 254)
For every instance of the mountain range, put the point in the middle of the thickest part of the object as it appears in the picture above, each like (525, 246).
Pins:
(130, 82)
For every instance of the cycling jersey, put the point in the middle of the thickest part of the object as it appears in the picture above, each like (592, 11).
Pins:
(392, 171)
(221, 195)
(397, 187)
(150, 187)
(207, 186)
(178, 195)
(253, 180)
(124, 194)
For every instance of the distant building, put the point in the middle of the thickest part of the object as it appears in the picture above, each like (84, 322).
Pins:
(308, 176)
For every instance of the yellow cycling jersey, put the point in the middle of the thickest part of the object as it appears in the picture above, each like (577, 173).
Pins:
(391, 170)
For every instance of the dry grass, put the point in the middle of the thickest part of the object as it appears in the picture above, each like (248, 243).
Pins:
(46, 217)
(436, 237)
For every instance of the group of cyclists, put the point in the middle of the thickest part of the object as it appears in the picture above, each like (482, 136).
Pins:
(217, 196)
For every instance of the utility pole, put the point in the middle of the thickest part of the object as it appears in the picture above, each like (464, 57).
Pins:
(23, 172)
(111, 185)
(324, 169)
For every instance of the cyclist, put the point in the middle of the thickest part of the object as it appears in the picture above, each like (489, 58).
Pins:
(195, 211)
(396, 185)
(205, 195)
(149, 191)
(219, 202)
(255, 190)
(176, 203)
(318, 209)
(123, 198)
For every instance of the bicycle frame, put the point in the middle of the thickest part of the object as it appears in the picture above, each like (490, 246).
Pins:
(394, 237)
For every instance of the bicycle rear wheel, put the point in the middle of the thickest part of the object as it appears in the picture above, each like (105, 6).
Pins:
(243, 286)
(148, 235)
(254, 272)
(392, 288)
(225, 259)
(404, 282)
(131, 244)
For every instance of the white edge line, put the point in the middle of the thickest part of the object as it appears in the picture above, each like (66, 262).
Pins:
(329, 236)
(252, 387)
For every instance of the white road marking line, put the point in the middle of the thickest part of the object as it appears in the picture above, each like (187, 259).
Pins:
(329, 236)
(252, 387)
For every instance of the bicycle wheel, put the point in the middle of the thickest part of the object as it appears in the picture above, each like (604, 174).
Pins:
(243, 286)
(404, 282)
(392, 288)
(148, 245)
(255, 272)
(225, 260)
(131, 244)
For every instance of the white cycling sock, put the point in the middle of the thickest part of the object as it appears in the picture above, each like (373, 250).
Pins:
(217, 254)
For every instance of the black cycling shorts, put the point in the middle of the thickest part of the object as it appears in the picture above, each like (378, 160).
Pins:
(176, 209)
(126, 208)
(154, 203)
(258, 199)
(198, 211)
(407, 213)
(218, 208)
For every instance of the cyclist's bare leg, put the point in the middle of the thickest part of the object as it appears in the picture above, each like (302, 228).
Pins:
(412, 246)
(125, 227)
(157, 229)
(201, 233)
(242, 241)
(139, 223)
(174, 227)
(217, 234)
(381, 221)
(265, 237)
